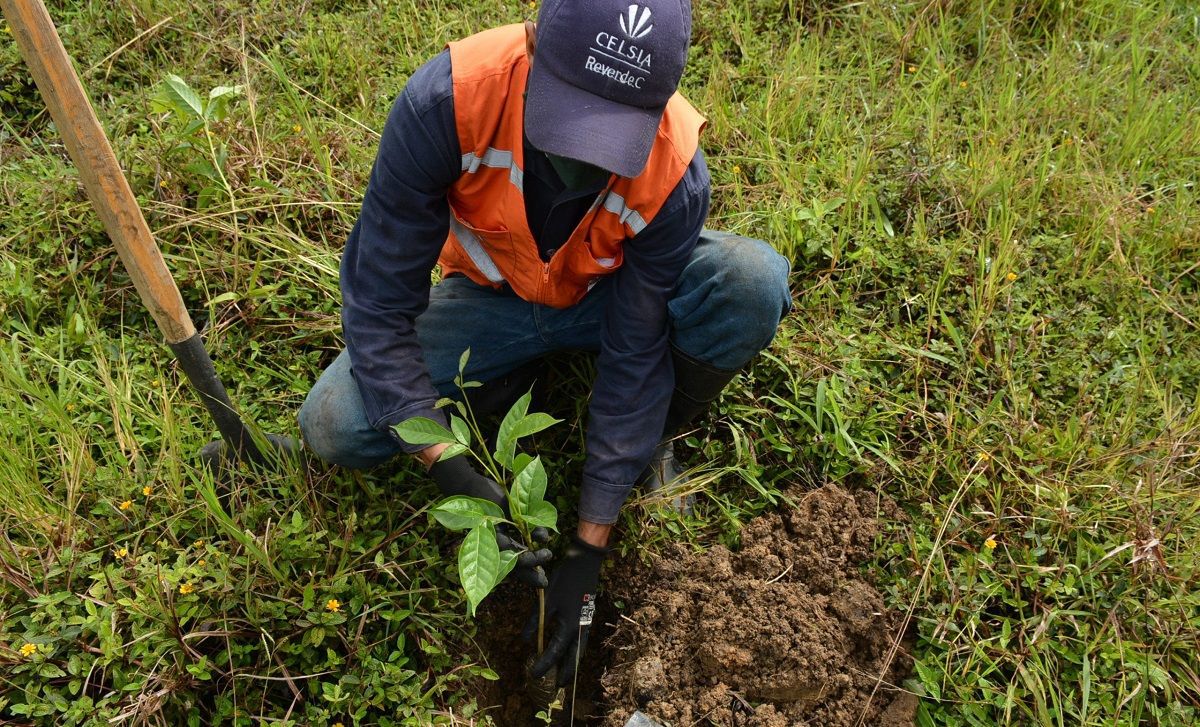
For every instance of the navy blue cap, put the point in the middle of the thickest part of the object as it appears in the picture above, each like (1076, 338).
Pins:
(602, 74)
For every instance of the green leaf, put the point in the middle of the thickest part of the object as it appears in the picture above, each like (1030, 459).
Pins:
(882, 223)
(508, 561)
(1086, 685)
(463, 513)
(478, 564)
(218, 101)
(204, 168)
(208, 197)
(462, 361)
(462, 432)
(506, 438)
(191, 128)
(534, 423)
(544, 515)
(528, 489)
(179, 97)
(453, 451)
(518, 423)
(223, 91)
(819, 404)
(423, 430)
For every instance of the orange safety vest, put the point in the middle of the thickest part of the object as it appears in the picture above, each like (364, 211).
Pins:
(489, 238)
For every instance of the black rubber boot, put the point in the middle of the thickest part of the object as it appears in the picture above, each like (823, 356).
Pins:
(664, 470)
(697, 385)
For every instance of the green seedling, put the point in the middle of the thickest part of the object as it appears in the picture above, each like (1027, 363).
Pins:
(198, 115)
(481, 564)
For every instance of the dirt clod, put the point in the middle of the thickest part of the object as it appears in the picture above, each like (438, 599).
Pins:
(784, 631)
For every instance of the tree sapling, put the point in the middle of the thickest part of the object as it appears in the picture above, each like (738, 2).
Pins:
(482, 565)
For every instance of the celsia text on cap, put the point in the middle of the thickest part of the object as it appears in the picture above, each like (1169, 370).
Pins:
(602, 74)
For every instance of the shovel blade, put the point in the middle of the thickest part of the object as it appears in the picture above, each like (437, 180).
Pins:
(219, 458)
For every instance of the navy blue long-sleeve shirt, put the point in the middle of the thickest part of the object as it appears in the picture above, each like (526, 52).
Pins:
(394, 246)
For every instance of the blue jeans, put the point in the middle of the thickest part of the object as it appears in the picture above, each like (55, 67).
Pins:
(727, 304)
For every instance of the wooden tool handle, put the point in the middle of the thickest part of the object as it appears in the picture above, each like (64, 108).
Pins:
(106, 186)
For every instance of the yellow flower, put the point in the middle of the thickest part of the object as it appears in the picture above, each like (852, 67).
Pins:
(198, 544)
(297, 128)
(28, 649)
(186, 588)
(1150, 210)
(71, 407)
(162, 183)
(1010, 277)
(1069, 140)
(985, 457)
(339, 724)
(146, 490)
(121, 552)
(962, 84)
(333, 605)
(912, 69)
(126, 505)
(736, 170)
(202, 562)
(990, 543)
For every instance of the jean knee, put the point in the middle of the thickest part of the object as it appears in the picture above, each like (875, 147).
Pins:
(329, 434)
(730, 300)
(755, 284)
(318, 427)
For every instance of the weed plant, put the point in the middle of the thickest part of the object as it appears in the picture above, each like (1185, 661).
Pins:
(992, 215)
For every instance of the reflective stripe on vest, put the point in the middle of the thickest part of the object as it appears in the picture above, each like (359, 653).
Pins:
(496, 159)
(502, 159)
(615, 203)
(475, 251)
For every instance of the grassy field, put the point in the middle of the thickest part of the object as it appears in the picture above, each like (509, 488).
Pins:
(992, 213)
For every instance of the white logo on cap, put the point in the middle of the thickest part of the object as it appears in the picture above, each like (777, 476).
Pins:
(633, 24)
(613, 49)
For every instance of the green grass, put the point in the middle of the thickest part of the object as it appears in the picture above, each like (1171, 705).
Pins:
(992, 212)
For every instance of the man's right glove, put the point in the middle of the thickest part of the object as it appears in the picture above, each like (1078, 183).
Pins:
(571, 601)
(456, 476)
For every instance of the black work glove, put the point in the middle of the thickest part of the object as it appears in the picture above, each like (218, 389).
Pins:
(571, 602)
(456, 476)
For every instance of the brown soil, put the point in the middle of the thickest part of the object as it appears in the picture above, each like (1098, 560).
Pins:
(784, 631)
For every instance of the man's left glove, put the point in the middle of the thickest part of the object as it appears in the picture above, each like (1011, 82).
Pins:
(571, 602)
(456, 476)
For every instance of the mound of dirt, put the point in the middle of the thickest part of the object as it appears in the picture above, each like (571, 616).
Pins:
(784, 631)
